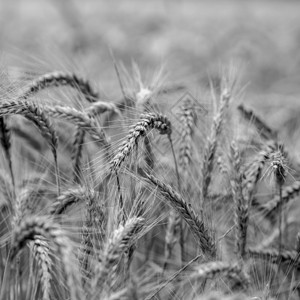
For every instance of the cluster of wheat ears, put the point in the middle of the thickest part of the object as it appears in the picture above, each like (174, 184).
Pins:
(120, 219)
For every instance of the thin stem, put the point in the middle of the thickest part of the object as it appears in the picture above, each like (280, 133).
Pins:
(173, 277)
(175, 163)
(181, 241)
(280, 221)
(121, 202)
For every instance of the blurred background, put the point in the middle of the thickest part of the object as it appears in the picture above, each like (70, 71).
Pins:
(191, 39)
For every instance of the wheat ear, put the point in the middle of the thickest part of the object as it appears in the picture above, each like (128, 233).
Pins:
(146, 122)
(273, 255)
(31, 227)
(211, 145)
(35, 114)
(187, 119)
(91, 208)
(40, 251)
(250, 178)
(212, 269)
(264, 130)
(66, 199)
(122, 238)
(76, 155)
(79, 118)
(5, 139)
(288, 193)
(57, 79)
(197, 226)
(241, 210)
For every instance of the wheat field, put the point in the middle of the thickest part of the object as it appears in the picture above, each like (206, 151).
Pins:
(169, 169)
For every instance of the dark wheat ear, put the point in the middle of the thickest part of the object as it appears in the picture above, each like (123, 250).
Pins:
(57, 79)
(264, 130)
(39, 118)
(5, 138)
(186, 211)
